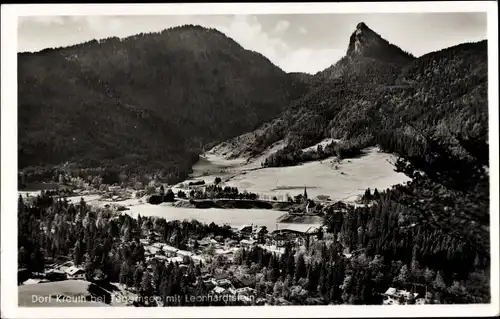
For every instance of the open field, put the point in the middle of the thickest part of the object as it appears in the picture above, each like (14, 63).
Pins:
(341, 180)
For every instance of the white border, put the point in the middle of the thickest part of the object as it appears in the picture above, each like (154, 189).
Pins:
(9, 157)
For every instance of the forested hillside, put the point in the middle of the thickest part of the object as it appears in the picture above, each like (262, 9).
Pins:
(431, 111)
(366, 100)
(149, 100)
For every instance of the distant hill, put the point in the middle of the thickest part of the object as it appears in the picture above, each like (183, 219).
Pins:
(371, 94)
(150, 100)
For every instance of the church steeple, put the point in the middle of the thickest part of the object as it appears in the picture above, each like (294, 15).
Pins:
(305, 192)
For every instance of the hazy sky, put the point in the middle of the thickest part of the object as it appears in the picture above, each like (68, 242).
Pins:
(294, 42)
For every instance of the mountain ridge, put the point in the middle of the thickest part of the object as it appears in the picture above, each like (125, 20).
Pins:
(196, 92)
(199, 85)
(363, 95)
(367, 43)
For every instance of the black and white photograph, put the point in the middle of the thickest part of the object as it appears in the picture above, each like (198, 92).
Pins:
(250, 159)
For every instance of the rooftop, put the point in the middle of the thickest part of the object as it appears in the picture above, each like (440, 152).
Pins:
(393, 292)
(184, 252)
(72, 270)
(245, 228)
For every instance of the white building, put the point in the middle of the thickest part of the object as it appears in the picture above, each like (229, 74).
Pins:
(247, 242)
(395, 296)
(184, 253)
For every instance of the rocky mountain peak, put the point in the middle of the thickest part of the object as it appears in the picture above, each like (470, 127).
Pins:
(364, 42)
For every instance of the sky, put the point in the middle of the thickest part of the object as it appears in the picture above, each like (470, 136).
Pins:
(294, 42)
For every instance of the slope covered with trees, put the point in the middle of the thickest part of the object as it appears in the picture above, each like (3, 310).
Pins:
(366, 100)
(433, 113)
(151, 99)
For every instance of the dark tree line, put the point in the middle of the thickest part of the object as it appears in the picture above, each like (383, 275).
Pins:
(215, 191)
(290, 155)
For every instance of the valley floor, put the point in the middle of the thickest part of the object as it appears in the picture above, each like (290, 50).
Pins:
(335, 179)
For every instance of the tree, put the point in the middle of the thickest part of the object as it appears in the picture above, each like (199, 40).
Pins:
(300, 269)
(138, 274)
(238, 256)
(312, 279)
(368, 195)
(77, 253)
(37, 262)
(278, 288)
(181, 194)
(219, 261)
(88, 263)
(217, 181)
(262, 233)
(124, 273)
(439, 281)
(416, 271)
(146, 287)
(210, 250)
(299, 198)
(169, 196)
(62, 179)
(403, 276)
(127, 234)
(429, 275)
(458, 289)
(320, 234)
(162, 190)
(150, 190)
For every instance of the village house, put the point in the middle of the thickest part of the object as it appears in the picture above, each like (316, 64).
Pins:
(223, 291)
(206, 242)
(224, 283)
(151, 250)
(395, 296)
(223, 286)
(161, 257)
(245, 230)
(247, 242)
(220, 251)
(54, 275)
(114, 188)
(209, 284)
(260, 233)
(183, 253)
(281, 236)
(177, 259)
(75, 272)
(247, 291)
(425, 300)
(170, 251)
(261, 301)
(159, 245)
(196, 259)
